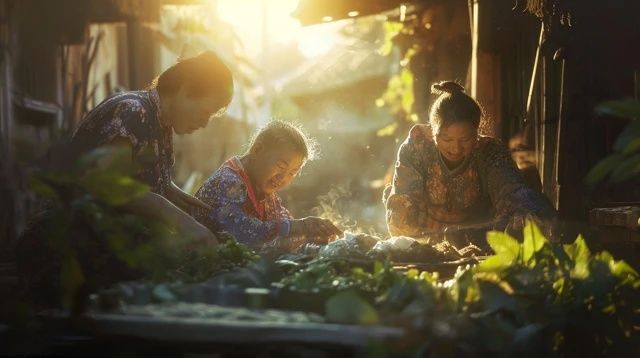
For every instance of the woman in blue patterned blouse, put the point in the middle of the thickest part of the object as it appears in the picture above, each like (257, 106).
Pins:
(182, 99)
(447, 175)
(243, 192)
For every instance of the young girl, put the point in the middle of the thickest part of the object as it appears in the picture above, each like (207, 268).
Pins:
(243, 192)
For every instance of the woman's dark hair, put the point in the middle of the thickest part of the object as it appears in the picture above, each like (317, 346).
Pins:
(278, 132)
(200, 75)
(451, 106)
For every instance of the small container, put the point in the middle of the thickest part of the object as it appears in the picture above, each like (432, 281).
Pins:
(257, 298)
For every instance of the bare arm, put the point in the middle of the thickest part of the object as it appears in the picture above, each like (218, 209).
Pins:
(184, 200)
(156, 207)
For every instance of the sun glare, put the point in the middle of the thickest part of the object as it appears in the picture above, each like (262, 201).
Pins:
(247, 18)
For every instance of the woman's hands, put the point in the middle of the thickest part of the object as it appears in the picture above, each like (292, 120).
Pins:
(314, 227)
(156, 207)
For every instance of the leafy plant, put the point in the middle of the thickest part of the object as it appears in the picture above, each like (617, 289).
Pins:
(398, 98)
(205, 262)
(536, 298)
(530, 298)
(624, 162)
(84, 240)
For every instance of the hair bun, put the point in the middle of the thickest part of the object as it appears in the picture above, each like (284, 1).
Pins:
(446, 87)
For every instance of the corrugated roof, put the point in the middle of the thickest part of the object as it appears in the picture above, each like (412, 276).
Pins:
(341, 67)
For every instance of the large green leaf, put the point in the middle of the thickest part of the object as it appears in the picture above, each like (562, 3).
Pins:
(348, 307)
(603, 168)
(624, 142)
(534, 241)
(623, 108)
(579, 253)
(624, 272)
(504, 245)
(507, 251)
(627, 169)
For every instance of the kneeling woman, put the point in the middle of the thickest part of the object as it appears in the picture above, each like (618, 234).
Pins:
(243, 192)
(448, 175)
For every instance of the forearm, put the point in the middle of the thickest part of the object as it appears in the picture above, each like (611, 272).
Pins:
(404, 216)
(156, 207)
(173, 195)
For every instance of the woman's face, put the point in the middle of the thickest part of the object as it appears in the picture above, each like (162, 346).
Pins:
(272, 169)
(456, 141)
(187, 114)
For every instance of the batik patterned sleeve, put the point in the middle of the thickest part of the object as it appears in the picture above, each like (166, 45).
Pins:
(406, 204)
(509, 193)
(227, 194)
(128, 120)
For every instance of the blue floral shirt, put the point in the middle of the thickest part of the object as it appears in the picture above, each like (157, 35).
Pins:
(134, 116)
(237, 210)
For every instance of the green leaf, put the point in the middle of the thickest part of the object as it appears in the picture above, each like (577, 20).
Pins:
(412, 273)
(387, 130)
(407, 94)
(493, 263)
(605, 257)
(603, 168)
(623, 270)
(347, 307)
(112, 188)
(505, 246)
(72, 278)
(579, 253)
(632, 146)
(627, 169)
(534, 241)
(391, 29)
(507, 251)
(623, 108)
(625, 140)
(41, 188)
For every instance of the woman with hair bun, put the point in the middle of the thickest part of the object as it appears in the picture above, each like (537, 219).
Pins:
(448, 175)
(182, 99)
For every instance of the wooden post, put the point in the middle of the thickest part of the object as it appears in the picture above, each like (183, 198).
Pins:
(133, 52)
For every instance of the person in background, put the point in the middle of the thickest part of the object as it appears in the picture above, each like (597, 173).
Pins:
(181, 99)
(243, 192)
(447, 175)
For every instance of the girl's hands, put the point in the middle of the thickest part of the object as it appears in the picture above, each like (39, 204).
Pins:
(314, 227)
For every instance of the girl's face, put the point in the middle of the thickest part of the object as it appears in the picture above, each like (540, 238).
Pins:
(272, 169)
(456, 141)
